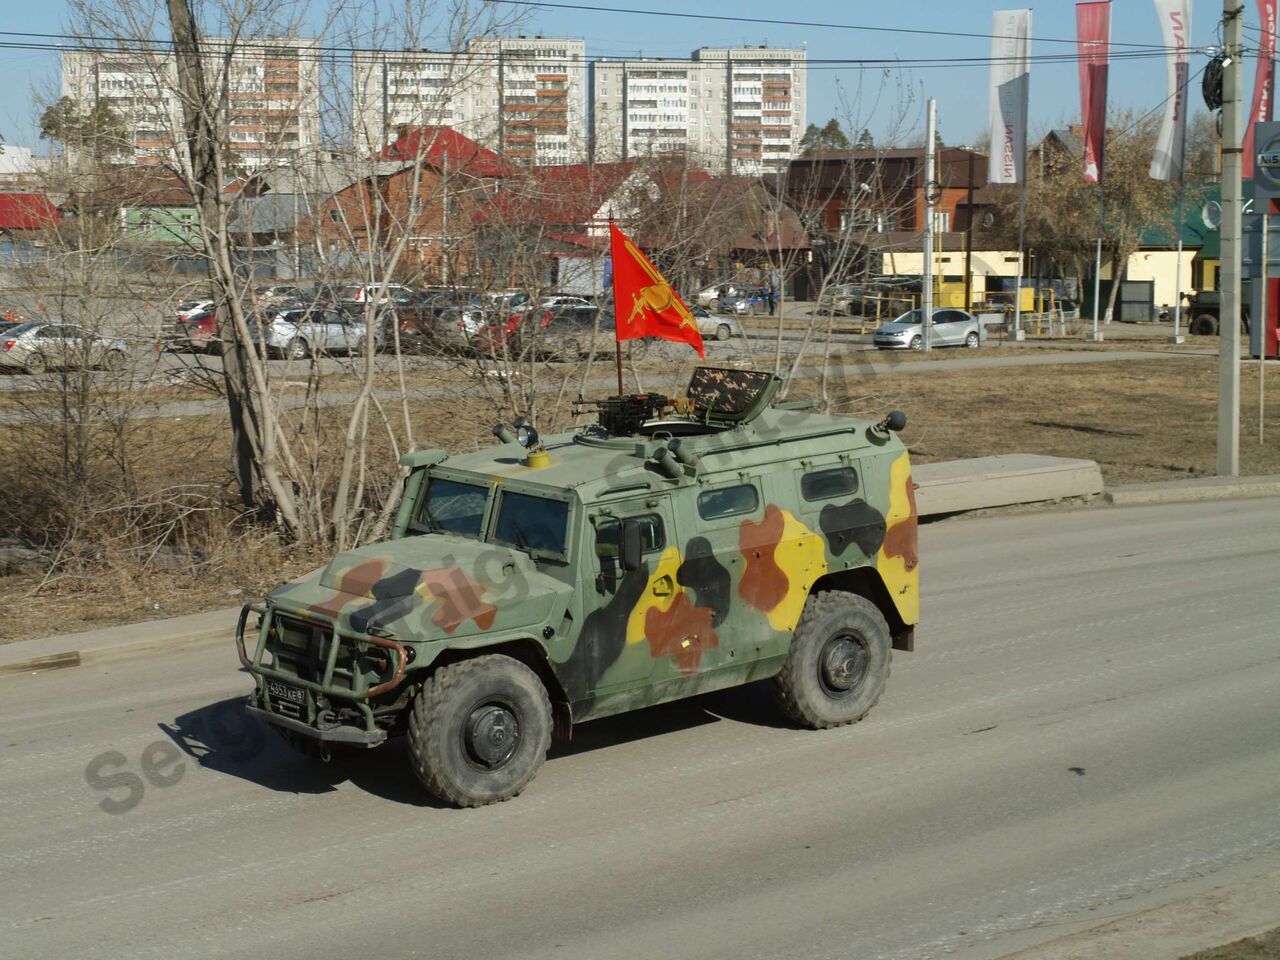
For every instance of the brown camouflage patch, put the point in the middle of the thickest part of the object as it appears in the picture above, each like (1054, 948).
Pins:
(763, 583)
(359, 581)
(682, 631)
(461, 599)
(902, 539)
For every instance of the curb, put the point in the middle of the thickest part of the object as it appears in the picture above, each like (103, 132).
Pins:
(1191, 491)
(93, 646)
(1174, 930)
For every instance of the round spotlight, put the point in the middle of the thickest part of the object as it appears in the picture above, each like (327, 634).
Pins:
(527, 436)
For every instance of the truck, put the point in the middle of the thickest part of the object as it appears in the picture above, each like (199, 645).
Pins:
(670, 547)
(1203, 307)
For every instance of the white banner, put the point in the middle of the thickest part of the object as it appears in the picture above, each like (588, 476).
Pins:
(1010, 86)
(1175, 25)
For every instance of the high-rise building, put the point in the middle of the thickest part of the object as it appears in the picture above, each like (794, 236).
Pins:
(272, 96)
(523, 96)
(741, 110)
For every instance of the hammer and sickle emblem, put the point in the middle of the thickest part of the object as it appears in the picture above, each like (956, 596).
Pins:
(658, 295)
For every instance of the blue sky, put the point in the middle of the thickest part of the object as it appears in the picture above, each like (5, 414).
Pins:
(961, 90)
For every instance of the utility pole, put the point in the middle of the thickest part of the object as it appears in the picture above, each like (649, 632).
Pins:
(926, 306)
(1229, 317)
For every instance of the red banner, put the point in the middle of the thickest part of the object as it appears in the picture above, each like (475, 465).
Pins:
(643, 302)
(1093, 35)
(1263, 82)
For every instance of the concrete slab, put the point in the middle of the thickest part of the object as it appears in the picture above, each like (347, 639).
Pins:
(999, 481)
(1191, 490)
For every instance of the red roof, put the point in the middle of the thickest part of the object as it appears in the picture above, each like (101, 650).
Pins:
(439, 146)
(559, 195)
(26, 211)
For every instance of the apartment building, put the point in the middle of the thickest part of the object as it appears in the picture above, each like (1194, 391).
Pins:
(523, 96)
(273, 96)
(741, 110)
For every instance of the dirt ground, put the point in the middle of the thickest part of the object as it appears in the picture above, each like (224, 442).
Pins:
(1140, 420)
(1265, 946)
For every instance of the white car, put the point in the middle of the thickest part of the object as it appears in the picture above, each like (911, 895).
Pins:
(298, 334)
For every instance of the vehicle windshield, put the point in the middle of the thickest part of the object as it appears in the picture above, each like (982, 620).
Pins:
(21, 329)
(534, 524)
(451, 506)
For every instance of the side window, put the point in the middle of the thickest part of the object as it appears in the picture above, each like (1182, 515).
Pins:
(828, 484)
(728, 501)
(652, 535)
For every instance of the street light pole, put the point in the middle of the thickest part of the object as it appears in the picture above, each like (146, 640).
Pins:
(926, 300)
(1229, 317)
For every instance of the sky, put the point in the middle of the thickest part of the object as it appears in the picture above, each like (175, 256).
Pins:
(858, 97)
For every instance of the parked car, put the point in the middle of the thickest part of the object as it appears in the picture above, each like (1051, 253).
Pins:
(196, 332)
(708, 296)
(951, 328)
(185, 308)
(37, 347)
(299, 333)
(480, 329)
(845, 299)
(717, 326)
(563, 305)
(360, 293)
(280, 293)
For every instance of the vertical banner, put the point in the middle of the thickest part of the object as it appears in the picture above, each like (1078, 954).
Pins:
(1010, 86)
(1175, 26)
(1263, 83)
(1093, 35)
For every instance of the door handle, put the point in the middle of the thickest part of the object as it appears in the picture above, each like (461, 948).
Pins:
(662, 587)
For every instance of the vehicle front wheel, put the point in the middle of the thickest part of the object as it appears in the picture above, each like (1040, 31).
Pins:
(36, 364)
(838, 663)
(113, 362)
(1204, 325)
(479, 730)
(917, 342)
(971, 341)
(297, 349)
(723, 332)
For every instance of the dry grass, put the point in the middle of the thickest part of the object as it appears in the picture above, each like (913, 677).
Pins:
(1141, 420)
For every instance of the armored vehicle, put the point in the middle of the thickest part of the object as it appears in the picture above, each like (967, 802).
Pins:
(676, 546)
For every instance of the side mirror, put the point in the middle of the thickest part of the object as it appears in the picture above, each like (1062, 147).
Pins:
(629, 548)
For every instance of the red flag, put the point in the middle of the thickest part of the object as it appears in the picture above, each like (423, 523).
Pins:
(644, 304)
(1093, 34)
(1263, 82)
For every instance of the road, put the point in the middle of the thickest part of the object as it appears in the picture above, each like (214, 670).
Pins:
(1089, 727)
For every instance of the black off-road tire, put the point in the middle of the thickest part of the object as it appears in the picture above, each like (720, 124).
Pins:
(452, 715)
(1204, 325)
(836, 631)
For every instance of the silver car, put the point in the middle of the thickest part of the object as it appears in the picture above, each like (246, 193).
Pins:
(717, 326)
(951, 328)
(297, 334)
(37, 347)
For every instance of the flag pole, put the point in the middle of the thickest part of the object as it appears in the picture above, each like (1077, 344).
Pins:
(617, 343)
(1097, 260)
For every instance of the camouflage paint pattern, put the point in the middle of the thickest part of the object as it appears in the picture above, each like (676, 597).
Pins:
(715, 605)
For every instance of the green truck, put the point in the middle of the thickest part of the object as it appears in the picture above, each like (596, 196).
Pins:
(673, 547)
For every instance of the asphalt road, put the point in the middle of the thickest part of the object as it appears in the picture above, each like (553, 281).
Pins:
(1089, 727)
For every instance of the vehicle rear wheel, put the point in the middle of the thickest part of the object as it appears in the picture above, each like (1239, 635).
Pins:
(971, 341)
(838, 663)
(723, 332)
(297, 349)
(1204, 325)
(36, 364)
(113, 362)
(479, 730)
(917, 342)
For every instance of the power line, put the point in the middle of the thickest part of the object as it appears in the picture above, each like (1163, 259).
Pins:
(769, 21)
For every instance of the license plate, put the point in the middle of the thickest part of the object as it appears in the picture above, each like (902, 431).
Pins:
(286, 698)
